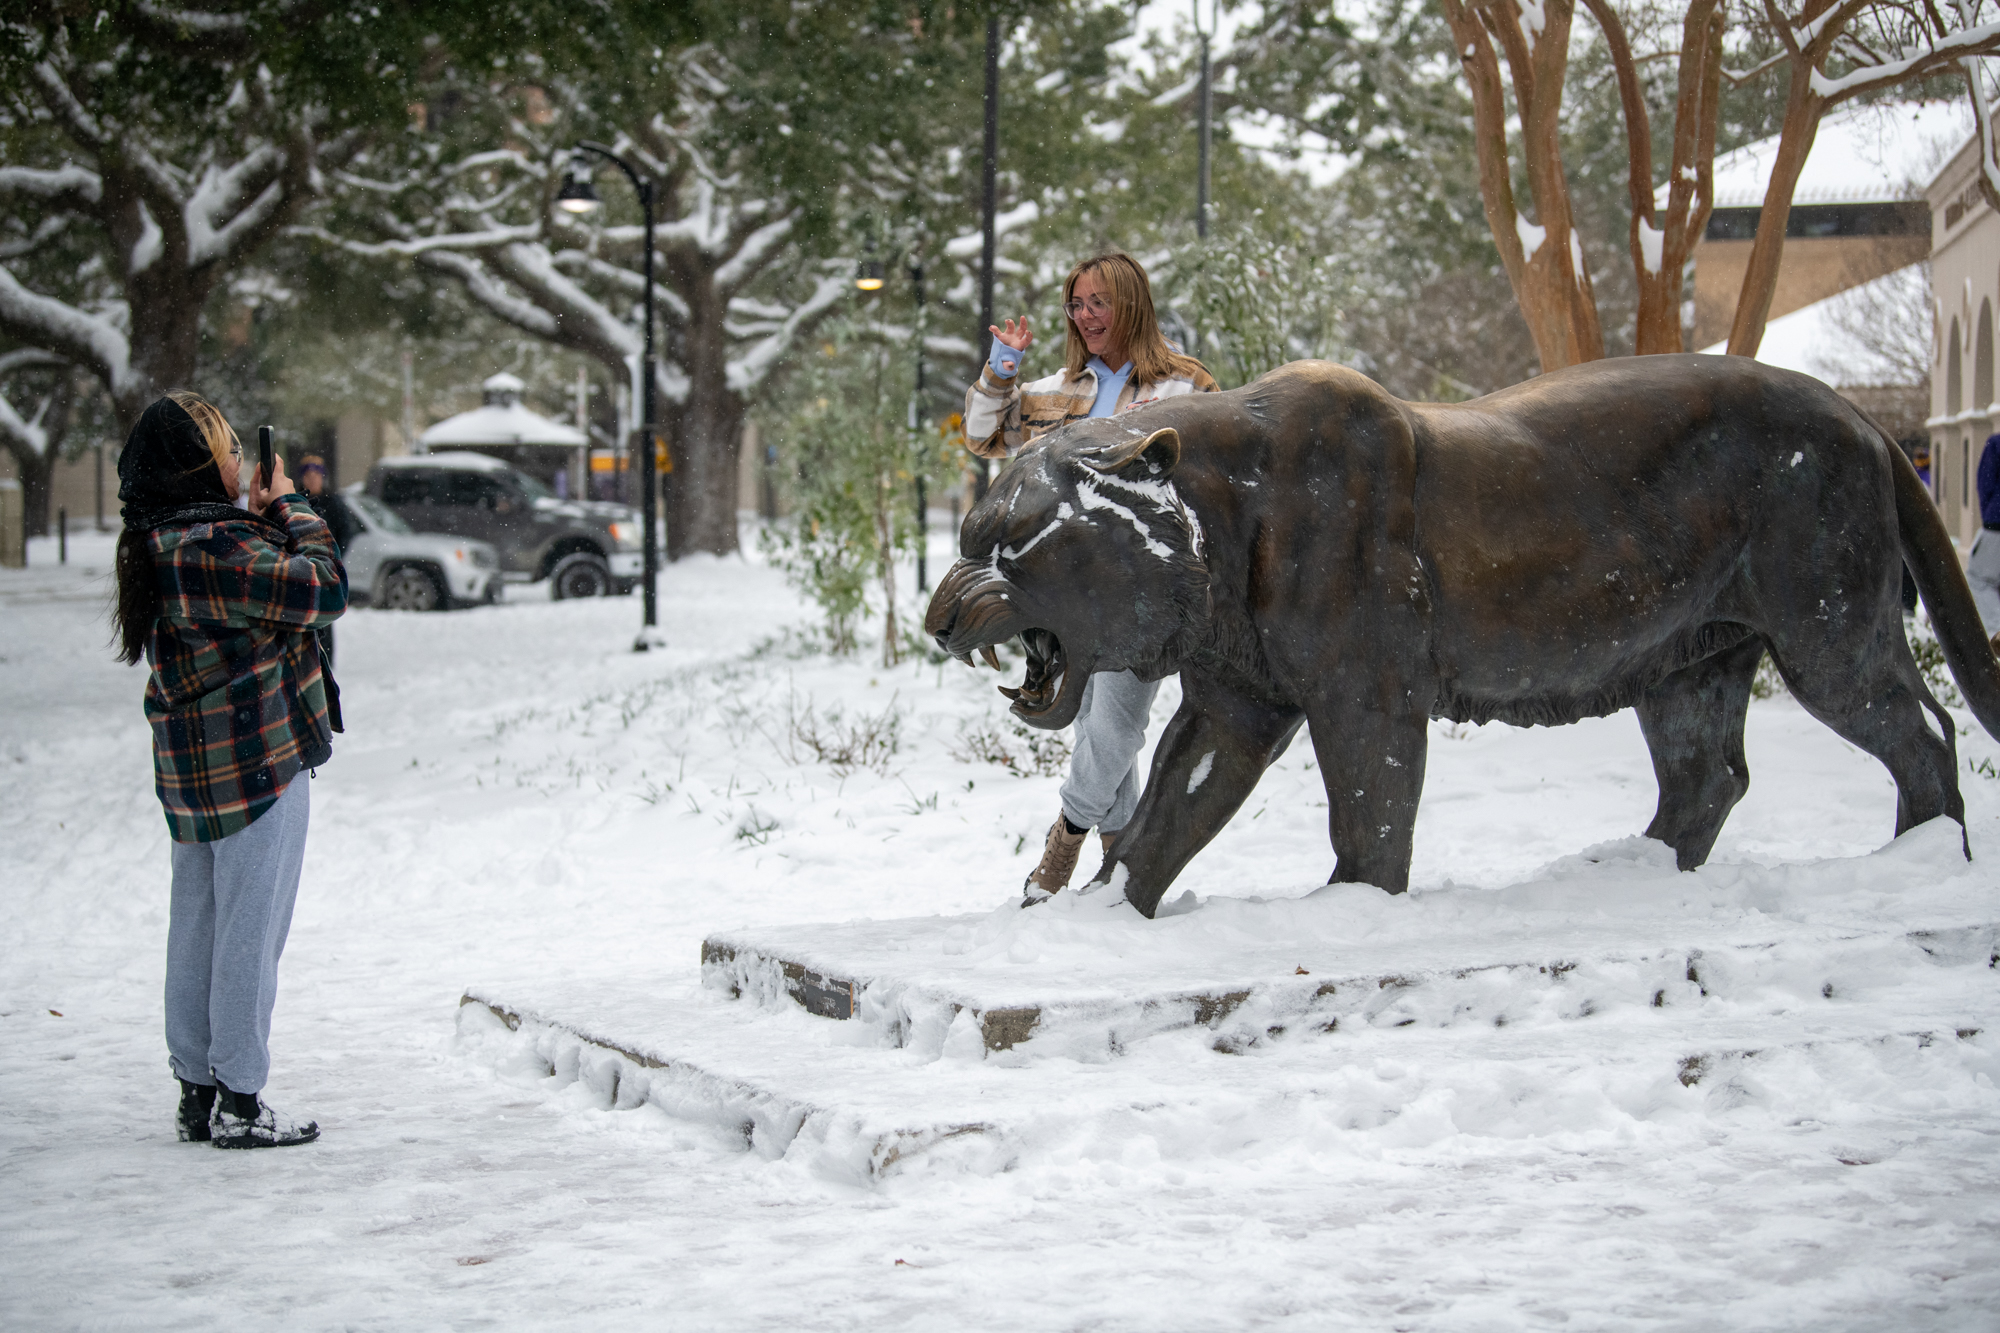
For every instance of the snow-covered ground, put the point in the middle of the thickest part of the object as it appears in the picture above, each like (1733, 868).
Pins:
(521, 801)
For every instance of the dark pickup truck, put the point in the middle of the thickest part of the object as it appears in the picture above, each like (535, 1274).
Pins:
(585, 548)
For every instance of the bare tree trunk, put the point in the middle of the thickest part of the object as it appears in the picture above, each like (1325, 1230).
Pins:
(1803, 108)
(1544, 262)
(702, 439)
(38, 471)
(1660, 246)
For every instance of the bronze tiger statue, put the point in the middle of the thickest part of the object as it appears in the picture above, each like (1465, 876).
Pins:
(1631, 533)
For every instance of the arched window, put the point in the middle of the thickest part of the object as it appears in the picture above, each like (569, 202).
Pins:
(1982, 358)
(1954, 375)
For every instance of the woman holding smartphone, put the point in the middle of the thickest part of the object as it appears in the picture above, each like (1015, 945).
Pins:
(223, 575)
(1115, 358)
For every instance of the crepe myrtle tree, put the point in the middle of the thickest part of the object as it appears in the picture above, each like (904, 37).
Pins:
(735, 293)
(1832, 51)
(1372, 86)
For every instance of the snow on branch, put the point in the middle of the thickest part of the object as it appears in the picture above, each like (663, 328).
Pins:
(79, 123)
(68, 185)
(490, 292)
(746, 372)
(531, 269)
(757, 250)
(88, 340)
(24, 433)
(623, 280)
(450, 242)
(196, 21)
(28, 435)
(1981, 40)
(48, 230)
(223, 192)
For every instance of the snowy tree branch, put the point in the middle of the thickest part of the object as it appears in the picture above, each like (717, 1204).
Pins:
(87, 340)
(749, 370)
(70, 187)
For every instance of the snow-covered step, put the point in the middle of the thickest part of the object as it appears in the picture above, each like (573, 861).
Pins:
(914, 984)
(836, 1105)
(793, 1085)
(1609, 979)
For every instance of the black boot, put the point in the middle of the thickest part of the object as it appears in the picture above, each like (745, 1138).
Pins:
(241, 1120)
(197, 1104)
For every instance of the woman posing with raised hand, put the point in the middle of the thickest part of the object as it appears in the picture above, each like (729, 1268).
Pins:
(1115, 358)
(222, 580)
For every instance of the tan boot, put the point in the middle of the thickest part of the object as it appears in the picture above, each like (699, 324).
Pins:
(1107, 839)
(1059, 854)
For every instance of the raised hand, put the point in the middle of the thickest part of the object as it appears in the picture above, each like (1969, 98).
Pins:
(1016, 338)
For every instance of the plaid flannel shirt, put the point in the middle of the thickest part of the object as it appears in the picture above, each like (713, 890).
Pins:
(1004, 416)
(236, 699)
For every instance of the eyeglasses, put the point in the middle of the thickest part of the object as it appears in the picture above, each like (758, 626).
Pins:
(236, 452)
(1096, 305)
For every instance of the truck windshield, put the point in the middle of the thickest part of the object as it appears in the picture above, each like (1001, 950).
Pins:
(533, 489)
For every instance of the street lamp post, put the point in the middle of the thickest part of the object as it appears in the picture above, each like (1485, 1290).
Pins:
(917, 432)
(577, 196)
(1205, 110)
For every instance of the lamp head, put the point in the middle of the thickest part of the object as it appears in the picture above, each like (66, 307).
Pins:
(868, 275)
(577, 195)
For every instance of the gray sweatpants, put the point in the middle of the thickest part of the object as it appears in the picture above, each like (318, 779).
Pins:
(1102, 790)
(232, 908)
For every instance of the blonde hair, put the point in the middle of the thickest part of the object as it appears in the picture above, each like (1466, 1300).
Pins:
(216, 432)
(1133, 322)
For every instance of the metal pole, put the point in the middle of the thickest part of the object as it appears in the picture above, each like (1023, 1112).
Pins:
(650, 466)
(97, 453)
(62, 536)
(989, 183)
(917, 431)
(648, 450)
(989, 186)
(1206, 107)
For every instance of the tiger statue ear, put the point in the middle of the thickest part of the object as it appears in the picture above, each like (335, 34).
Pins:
(1153, 456)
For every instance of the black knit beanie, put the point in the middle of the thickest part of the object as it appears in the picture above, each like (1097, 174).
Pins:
(167, 470)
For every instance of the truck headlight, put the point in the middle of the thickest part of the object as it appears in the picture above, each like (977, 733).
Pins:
(627, 535)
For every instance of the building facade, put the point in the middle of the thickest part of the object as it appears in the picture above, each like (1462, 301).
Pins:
(1965, 287)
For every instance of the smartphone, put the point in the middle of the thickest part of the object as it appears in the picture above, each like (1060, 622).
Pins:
(263, 458)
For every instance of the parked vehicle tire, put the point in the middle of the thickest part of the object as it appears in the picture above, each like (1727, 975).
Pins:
(580, 574)
(410, 588)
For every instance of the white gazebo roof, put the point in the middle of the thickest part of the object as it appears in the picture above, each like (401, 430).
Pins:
(1811, 340)
(1870, 154)
(502, 420)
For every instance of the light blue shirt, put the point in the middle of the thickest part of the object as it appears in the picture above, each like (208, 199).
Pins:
(1109, 384)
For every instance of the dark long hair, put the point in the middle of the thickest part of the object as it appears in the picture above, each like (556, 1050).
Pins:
(137, 604)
